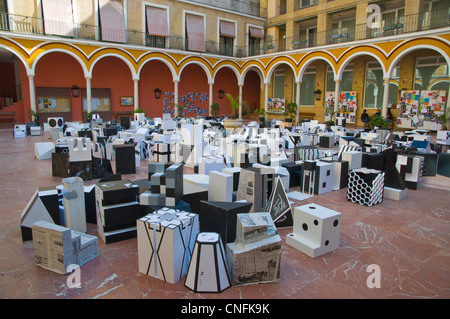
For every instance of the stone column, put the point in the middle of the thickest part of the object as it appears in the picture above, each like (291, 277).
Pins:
(385, 96)
(266, 99)
(136, 94)
(240, 101)
(32, 94)
(210, 97)
(297, 100)
(175, 97)
(337, 94)
(88, 94)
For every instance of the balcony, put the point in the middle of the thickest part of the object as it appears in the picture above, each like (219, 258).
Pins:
(403, 25)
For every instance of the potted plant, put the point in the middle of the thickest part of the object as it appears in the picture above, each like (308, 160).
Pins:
(234, 122)
(141, 114)
(89, 116)
(332, 113)
(180, 108)
(290, 111)
(379, 121)
(214, 109)
(261, 114)
(34, 116)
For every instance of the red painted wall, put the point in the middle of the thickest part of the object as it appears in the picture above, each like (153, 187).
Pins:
(155, 74)
(193, 80)
(57, 69)
(7, 79)
(112, 72)
(252, 90)
(225, 80)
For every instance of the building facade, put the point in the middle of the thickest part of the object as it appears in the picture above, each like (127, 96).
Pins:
(119, 54)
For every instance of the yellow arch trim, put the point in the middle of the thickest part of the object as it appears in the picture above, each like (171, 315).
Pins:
(363, 50)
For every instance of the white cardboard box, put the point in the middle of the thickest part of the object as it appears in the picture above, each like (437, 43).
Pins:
(316, 230)
(166, 239)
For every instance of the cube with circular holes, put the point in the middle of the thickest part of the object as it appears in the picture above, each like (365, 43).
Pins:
(316, 230)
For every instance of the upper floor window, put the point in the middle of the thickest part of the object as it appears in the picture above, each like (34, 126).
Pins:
(227, 36)
(195, 33)
(300, 4)
(112, 20)
(157, 26)
(255, 36)
(58, 17)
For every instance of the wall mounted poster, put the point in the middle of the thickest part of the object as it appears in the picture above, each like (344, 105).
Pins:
(276, 105)
(408, 109)
(432, 102)
(347, 106)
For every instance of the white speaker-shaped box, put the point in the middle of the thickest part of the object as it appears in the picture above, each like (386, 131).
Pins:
(55, 122)
(316, 230)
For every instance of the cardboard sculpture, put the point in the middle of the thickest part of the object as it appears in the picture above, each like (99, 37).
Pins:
(234, 171)
(74, 204)
(208, 267)
(430, 162)
(354, 159)
(323, 177)
(303, 153)
(365, 186)
(253, 186)
(125, 158)
(220, 217)
(165, 242)
(394, 185)
(220, 187)
(166, 185)
(316, 230)
(90, 204)
(295, 172)
(60, 165)
(82, 169)
(57, 247)
(308, 176)
(278, 206)
(410, 168)
(20, 130)
(80, 149)
(255, 255)
(44, 150)
(117, 210)
(443, 137)
(43, 205)
(373, 161)
(340, 173)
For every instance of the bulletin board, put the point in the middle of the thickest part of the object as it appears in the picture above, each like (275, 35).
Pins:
(346, 107)
(100, 99)
(329, 105)
(53, 100)
(276, 105)
(417, 106)
(432, 102)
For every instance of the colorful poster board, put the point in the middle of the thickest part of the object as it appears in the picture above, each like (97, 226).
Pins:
(347, 105)
(417, 106)
(276, 105)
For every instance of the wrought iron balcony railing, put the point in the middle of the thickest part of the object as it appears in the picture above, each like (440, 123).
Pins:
(407, 24)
